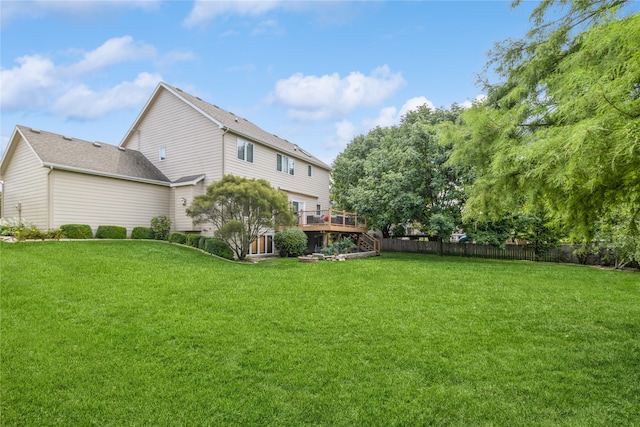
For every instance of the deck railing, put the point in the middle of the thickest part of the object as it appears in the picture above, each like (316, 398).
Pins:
(330, 218)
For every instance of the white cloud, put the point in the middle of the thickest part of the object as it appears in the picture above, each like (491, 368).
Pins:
(38, 83)
(413, 104)
(469, 104)
(206, 10)
(175, 56)
(84, 103)
(27, 85)
(113, 51)
(344, 133)
(390, 116)
(318, 98)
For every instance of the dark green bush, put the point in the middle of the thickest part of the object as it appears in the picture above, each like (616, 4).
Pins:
(218, 247)
(111, 232)
(160, 226)
(77, 231)
(201, 242)
(176, 237)
(192, 240)
(290, 242)
(142, 233)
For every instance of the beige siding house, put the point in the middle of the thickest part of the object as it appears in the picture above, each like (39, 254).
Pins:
(175, 148)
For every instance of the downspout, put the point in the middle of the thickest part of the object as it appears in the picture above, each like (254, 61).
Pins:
(226, 130)
(49, 207)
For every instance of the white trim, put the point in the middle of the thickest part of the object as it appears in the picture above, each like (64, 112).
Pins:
(11, 144)
(184, 184)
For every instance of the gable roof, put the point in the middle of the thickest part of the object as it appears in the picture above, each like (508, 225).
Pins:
(76, 155)
(240, 126)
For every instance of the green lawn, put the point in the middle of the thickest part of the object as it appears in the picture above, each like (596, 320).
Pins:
(146, 333)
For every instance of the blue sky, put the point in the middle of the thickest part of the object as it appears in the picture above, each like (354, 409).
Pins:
(316, 73)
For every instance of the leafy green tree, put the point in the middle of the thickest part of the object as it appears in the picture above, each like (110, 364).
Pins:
(241, 210)
(614, 239)
(399, 175)
(443, 226)
(560, 134)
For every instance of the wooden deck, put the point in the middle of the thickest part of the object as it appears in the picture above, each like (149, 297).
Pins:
(331, 221)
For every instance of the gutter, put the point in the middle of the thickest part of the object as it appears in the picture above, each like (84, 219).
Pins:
(52, 166)
(279, 149)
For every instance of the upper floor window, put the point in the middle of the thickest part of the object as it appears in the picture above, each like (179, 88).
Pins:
(309, 170)
(245, 150)
(285, 164)
(163, 154)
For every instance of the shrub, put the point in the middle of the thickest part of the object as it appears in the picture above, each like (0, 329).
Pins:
(192, 240)
(160, 226)
(77, 231)
(111, 232)
(290, 242)
(142, 233)
(29, 232)
(343, 246)
(176, 237)
(54, 234)
(218, 247)
(201, 242)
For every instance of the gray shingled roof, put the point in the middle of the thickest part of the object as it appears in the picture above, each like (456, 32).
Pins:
(73, 153)
(244, 127)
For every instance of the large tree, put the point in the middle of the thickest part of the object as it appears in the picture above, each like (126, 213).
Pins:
(398, 174)
(241, 209)
(560, 132)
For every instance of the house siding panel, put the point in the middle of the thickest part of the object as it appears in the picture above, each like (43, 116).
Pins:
(311, 190)
(180, 220)
(94, 200)
(192, 142)
(25, 183)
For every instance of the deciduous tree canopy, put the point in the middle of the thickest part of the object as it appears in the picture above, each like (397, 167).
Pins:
(561, 133)
(241, 210)
(399, 174)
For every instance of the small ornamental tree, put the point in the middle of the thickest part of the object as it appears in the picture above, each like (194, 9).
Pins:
(443, 226)
(241, 209)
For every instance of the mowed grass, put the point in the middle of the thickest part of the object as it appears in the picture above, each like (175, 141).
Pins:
(146, 333)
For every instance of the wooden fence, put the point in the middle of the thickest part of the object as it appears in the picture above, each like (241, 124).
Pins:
(514, 252)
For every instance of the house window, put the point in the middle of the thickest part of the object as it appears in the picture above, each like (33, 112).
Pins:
(163, 154)
(245, 150)
(309, 171)
(318, 210)
(285, 164)
(262, 245)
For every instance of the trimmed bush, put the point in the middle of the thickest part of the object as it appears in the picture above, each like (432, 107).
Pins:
(192, 240)
(176, 237)
(160, 226)
(201, 242)
(142, 233)
(291, 242)
(111, 232)
(218, 247)
(77, 231)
